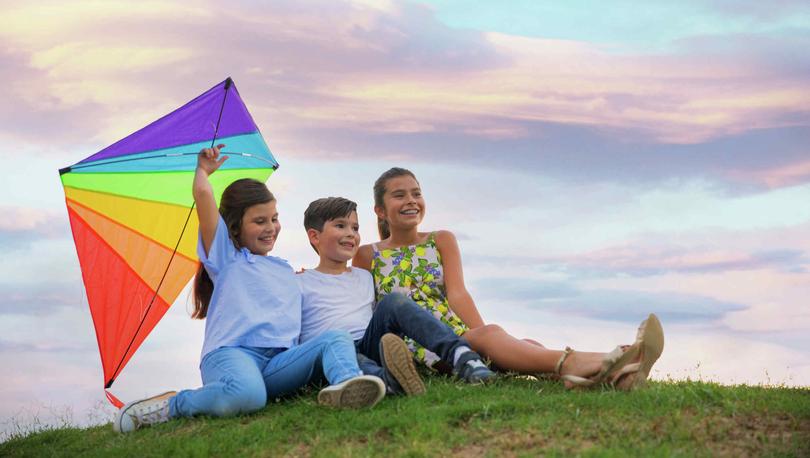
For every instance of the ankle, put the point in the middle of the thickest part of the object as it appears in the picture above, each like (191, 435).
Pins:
(459, 351)
(564, 363)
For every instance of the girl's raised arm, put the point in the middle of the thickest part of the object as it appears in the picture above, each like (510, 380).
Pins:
(458, 297)
(208, 161)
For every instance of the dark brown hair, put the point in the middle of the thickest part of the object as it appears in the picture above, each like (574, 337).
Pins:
(379, 193)
(236, 199)
(326, 209)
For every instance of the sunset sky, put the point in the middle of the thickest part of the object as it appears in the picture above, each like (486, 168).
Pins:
(597, 161)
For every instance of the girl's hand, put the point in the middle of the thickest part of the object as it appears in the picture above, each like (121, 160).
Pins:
(209, 159)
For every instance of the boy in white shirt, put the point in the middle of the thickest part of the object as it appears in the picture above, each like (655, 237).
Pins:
(336, 296)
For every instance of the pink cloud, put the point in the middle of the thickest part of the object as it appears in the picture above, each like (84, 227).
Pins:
(776, 177)
(644, 261)
(21, 221)
(394, 69)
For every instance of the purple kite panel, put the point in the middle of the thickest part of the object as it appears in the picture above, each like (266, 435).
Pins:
(194, 122)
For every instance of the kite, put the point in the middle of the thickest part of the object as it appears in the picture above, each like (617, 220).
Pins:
(132, 215)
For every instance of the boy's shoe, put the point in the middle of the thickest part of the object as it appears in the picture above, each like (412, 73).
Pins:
(398, 362)
(145, 412)
(355, 393)
(471, 369)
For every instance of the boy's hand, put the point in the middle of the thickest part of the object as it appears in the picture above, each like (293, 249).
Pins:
(209, 159)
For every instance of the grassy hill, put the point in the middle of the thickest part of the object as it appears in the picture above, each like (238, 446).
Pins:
(512, 417)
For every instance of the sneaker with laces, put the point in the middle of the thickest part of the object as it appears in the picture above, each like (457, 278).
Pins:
(471, 369)
(398, 362)
(358, 392)
(145, 412)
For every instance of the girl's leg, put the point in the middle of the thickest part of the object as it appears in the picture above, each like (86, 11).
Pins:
(330, 355)
(232, 384)
(528, 357)
(534, 342)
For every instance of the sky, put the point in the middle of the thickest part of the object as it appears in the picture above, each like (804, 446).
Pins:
(598, 161)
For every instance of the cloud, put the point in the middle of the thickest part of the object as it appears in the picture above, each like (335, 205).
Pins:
(647, 261)
(11, 347)
(610, 305)
(776, 177)
(575, 153)
(22, 226)
(775, 11)
(40, 299)
(398, 83)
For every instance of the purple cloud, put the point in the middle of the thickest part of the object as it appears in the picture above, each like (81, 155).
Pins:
(337, 80)
(23, 226)
(580, 153)
(610, 305)
(645, 260)
(16, 348)
(40, 299)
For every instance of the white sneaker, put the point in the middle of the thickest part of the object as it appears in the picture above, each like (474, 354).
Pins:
(355, 393)
(145, 412)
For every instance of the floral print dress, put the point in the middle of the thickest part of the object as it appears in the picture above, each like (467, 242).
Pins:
(416, 271)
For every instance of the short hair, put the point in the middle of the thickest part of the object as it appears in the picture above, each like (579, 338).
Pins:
(326, 209)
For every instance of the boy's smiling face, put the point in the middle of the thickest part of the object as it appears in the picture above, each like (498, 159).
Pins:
(339, 240)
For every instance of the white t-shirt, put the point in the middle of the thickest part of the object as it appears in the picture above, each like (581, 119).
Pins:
(342, 302)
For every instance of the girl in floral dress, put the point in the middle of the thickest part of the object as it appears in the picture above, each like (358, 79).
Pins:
(427, 267)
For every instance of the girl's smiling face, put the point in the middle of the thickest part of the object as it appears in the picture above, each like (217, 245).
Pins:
(404, 205)
(260, 228)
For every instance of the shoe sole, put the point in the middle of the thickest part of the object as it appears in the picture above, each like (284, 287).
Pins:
(399, 362)
(651, 345)
(357, 393)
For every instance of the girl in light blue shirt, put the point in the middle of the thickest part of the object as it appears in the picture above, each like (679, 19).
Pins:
(252, 306)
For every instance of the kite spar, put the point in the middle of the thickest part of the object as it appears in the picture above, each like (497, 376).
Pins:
(132, 215)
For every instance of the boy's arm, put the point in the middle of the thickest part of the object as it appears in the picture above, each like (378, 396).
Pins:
(459, 299)
(208, 162)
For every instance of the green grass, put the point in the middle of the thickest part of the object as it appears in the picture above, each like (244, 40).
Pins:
(512, 417)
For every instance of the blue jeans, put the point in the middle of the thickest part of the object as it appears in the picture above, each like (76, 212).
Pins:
(241, 379)
(402, 316)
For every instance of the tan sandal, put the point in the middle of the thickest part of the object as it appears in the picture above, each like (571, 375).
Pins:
(650, 345)
(616, 361)
(575, 380)
(625, 368)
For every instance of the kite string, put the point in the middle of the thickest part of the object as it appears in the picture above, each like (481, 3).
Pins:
(176, 246)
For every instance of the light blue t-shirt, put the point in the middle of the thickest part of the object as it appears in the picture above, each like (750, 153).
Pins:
(256, 300)
(343, 302)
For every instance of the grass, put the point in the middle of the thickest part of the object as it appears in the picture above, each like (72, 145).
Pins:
(511, 417)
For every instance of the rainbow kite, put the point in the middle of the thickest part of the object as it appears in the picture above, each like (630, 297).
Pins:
(132, 216)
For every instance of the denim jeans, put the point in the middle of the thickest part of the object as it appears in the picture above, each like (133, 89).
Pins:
(241, 379)
(402, 316)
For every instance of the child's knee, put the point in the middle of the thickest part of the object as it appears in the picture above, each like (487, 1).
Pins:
(483, 332)
(493, 329)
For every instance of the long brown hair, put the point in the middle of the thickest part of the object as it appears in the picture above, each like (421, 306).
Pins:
(236, 199)
(379, 193)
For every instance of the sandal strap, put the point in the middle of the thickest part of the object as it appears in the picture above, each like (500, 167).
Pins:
(577, 381)
(628, 369)
(558, 367)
